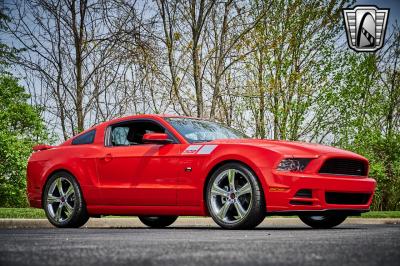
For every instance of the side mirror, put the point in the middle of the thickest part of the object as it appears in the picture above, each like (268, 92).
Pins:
(156, 138)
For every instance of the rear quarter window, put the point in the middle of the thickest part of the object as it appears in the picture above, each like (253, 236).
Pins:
(86, 138)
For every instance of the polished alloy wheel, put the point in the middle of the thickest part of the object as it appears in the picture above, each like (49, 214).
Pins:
(231, 196)
(61, 200)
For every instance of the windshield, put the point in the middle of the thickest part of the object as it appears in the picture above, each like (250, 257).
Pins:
(196, 130)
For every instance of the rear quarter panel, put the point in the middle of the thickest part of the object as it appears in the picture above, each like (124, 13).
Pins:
(79, 160)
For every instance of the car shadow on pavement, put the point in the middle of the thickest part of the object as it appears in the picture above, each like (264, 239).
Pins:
(196, 228)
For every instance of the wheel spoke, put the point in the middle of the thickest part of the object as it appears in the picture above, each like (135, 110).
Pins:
(224, 209)
(59, 186)
(218, 191)
(70, 191)
(246, 189)
(239, 208)
(231, 179)
(57, 216)
(68, 209)
(52, 199)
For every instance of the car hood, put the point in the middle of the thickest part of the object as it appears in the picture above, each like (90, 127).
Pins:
(290, 148)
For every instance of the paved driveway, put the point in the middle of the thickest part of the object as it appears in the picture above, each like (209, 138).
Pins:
(295, 244)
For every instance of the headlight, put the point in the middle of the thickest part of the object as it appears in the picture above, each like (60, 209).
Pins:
(293, 165)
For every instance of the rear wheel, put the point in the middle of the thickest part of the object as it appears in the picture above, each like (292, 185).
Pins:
(63, 201)
(158, 221)
(323, 221)
(234, 197)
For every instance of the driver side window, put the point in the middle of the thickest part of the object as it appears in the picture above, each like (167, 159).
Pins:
(131, 133)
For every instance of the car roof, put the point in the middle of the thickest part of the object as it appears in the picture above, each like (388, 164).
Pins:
(123, 118)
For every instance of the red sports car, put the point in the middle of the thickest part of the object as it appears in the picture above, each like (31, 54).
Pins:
(161, 167)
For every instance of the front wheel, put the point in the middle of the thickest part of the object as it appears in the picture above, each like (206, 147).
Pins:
(63, 201)
(158, 221)
(322, 221)
(234, 197)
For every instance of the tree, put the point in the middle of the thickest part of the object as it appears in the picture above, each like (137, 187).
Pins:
(7, 53)
(168, 11)
(360, 112)
(82, 52)
(20, 128)
(292, 61)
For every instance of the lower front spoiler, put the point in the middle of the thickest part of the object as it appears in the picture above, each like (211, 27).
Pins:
(347, 212)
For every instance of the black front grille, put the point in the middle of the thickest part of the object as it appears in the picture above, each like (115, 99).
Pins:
(339, 166)
(346, 198)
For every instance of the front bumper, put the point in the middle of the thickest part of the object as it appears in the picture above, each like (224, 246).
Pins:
(282, 188)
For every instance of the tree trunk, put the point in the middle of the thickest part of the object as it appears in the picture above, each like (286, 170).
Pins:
(78, 30)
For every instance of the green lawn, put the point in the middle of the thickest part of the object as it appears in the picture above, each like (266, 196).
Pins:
(31, 213)
(384, 214)
(25, 213)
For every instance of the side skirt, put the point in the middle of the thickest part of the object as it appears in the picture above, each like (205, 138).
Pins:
(96, 210)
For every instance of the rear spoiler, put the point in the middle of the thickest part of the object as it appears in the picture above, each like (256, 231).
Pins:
(42, 147)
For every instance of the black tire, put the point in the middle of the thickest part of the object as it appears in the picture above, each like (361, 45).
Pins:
(78, 216)
(255, 212)
(158, 221)
(323, 221)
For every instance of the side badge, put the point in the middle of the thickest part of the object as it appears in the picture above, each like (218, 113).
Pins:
(191, 149)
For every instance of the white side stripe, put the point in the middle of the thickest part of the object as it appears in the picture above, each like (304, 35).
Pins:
(207, 149)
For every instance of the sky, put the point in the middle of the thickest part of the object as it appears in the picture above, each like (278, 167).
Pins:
(393, 5)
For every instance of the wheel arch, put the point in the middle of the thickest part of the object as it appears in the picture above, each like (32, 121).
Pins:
(55, 169)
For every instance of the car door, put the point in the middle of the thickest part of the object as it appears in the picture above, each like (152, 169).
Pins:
(135, 174)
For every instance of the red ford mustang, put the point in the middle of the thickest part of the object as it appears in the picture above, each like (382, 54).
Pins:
(160, 167)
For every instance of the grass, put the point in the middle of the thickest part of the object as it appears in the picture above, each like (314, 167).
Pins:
(24, 213)
(31, 213)
(383, 214)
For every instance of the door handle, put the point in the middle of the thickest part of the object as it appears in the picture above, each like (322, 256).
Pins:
(108, 157)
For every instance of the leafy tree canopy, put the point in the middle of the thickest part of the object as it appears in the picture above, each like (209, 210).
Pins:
(20, 128)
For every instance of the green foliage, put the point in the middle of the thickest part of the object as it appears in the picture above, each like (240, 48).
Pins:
(354, 112)
(20, 128)
(294, 56)
(383, 153)
(381, 214)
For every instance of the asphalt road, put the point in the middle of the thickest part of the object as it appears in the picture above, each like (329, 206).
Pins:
(295, 245)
